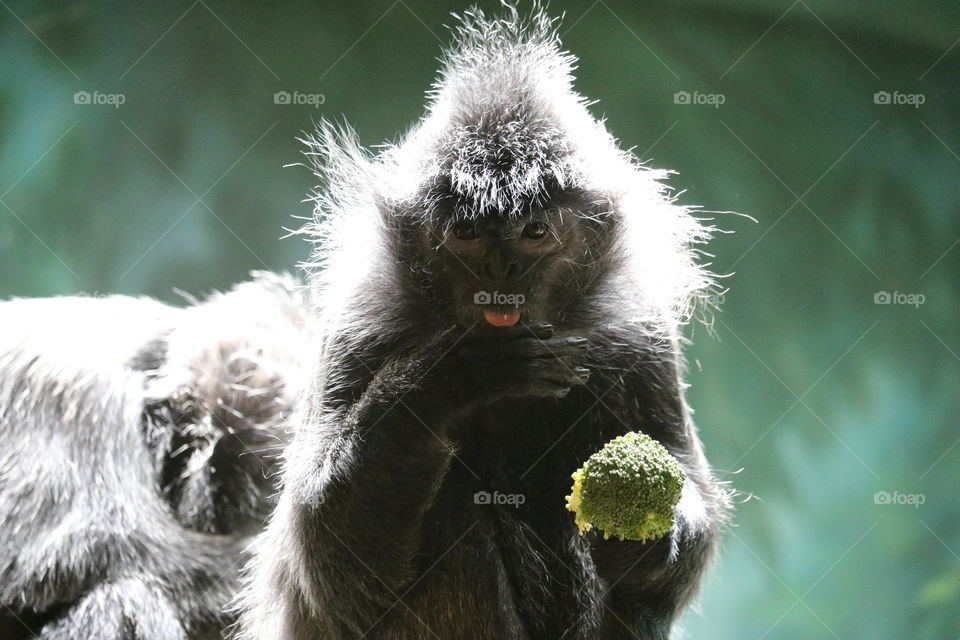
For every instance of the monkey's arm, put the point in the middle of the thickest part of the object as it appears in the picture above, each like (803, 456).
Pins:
(377, 481)
(649, 583)
(341, 548)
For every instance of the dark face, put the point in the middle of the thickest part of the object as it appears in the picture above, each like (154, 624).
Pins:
(498, 271)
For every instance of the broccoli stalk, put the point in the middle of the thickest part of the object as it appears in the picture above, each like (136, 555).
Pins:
(628, 489)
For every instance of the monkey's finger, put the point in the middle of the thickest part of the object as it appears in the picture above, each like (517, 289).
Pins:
(512, 353)
(557, 371)
(573, 347)
(564, 347)
(542, 330)
(538, 387)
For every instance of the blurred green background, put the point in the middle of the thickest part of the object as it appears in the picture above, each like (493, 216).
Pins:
(811, 396)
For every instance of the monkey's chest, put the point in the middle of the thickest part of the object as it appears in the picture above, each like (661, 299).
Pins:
(493, 566)
(500, 556)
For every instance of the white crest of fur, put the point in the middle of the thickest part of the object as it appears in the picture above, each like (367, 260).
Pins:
(510, 79)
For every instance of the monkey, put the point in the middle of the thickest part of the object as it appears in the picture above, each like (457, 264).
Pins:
(498, 294)
(138, 450)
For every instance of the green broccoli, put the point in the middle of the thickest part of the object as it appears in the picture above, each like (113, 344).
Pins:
(628, 489)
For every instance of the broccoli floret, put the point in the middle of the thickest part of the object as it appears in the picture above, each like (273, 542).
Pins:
(628, 489)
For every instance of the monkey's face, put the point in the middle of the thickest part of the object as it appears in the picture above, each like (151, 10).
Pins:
(501, 271)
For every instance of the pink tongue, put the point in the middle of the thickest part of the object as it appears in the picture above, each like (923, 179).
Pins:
(502, 318)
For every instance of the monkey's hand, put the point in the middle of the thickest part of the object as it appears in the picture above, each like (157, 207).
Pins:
(484, 365)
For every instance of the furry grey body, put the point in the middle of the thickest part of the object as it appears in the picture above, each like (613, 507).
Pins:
(137, 442)
(377, 533)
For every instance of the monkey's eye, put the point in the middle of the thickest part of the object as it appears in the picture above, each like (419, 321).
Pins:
(465, 231)
(535, 230)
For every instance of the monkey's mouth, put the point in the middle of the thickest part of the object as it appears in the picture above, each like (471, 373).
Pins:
(502, 317)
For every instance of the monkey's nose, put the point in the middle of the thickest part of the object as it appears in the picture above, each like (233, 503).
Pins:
(501, 272)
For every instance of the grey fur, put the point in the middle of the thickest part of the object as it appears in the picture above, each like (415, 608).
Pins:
(374, 535)
(137, 442)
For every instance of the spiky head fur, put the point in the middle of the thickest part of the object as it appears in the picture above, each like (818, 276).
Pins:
(503, 131)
